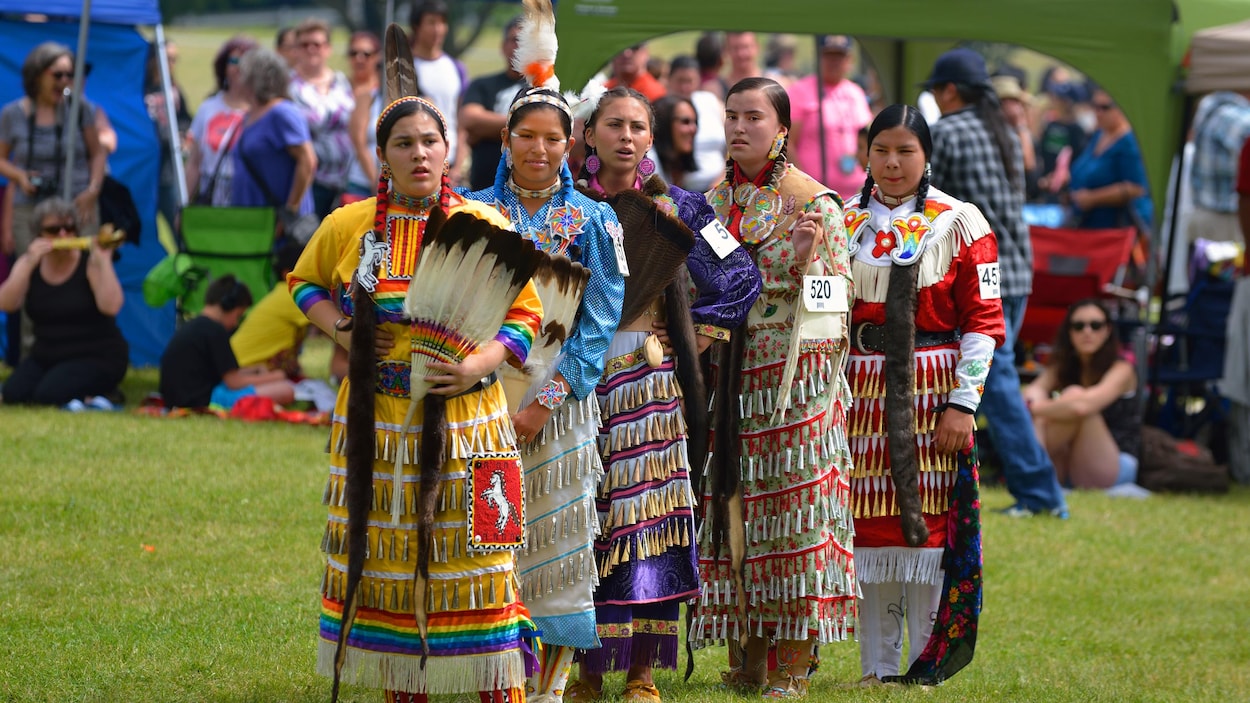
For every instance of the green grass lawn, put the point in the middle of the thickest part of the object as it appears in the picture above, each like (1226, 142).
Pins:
(177, 560)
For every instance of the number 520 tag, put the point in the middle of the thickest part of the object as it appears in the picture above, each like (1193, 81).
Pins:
(824, 294)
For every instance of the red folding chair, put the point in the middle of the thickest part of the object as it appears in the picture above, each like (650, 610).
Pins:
(1070, 265)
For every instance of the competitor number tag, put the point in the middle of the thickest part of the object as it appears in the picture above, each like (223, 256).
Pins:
(824, 294)
(987, 276)
(721, 241)
(622, 264)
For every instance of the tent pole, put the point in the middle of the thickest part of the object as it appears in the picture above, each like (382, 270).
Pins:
(171, 116)
(75, 105)
(820, 116)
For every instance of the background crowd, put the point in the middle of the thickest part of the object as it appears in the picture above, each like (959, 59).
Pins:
(284, 130)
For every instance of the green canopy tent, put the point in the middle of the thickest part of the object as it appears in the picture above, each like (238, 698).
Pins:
(1131, 47)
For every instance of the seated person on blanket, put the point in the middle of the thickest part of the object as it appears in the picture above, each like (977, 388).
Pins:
(272, 335)
(198, 367)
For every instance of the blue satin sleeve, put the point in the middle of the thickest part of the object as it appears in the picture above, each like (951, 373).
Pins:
(600, 313)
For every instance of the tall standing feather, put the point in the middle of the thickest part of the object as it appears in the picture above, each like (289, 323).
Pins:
(401, 72)
(536, 46)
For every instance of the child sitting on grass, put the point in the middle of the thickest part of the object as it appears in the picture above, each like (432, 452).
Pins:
(198, 367)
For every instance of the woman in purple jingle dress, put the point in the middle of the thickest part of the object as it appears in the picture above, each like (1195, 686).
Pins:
(651, 396)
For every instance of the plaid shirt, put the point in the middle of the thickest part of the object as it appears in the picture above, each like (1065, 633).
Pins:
(966, 166)
(1221, 126)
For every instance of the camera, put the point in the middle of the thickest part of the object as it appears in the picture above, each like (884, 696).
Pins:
(44, 187)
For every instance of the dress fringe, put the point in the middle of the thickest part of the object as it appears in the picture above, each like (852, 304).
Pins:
(899, 565)
(485, 672)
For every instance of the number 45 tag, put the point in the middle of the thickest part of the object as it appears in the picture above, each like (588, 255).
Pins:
(987, 276)
(824, 294)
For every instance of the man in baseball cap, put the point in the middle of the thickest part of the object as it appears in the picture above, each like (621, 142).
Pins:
(977, 158)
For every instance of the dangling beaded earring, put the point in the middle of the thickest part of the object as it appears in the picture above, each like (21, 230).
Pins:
(646, 167)
(593, 164)
(386, 170)
(778, 143)
(928, 170)
(507, 156)
(868, 171)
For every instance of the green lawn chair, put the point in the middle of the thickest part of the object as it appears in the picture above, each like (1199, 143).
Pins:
(221, 240)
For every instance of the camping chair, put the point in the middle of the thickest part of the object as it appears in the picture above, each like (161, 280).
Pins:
(1074, 264)
(222, 240)
(1189, 344)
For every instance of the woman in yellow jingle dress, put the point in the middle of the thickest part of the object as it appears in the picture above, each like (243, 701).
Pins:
(477, 625)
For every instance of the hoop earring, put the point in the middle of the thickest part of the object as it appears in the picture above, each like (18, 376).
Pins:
(386, 170)
(593, 164)
(507, 157)
(646, 167)
(778, 142)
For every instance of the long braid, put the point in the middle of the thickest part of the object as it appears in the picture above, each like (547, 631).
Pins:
(922, 191)
(866, 193)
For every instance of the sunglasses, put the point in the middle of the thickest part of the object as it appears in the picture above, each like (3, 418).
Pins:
(1095, 325)
(51, 230)
(313, 44)
(233, 60)
(1103, 107)
(361, 53)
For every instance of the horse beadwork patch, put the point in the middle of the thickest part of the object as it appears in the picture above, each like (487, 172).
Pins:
(496, 502)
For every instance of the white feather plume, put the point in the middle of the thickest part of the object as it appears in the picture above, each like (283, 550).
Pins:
(537, 45)
(585, 104)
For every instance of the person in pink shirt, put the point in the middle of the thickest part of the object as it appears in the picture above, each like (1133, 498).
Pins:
(845, 113)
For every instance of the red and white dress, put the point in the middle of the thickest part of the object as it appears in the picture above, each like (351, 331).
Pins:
(957, 299)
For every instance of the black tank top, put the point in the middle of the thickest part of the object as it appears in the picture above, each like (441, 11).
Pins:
(67, 323)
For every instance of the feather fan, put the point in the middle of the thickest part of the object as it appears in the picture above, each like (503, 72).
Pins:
(401, 72)
(536, 45)
(656, 245)
(560, 283)
(468, 275)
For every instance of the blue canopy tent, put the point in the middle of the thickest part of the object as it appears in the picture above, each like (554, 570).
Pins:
(118, 54)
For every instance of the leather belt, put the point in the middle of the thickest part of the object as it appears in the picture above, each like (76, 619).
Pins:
(867, 337)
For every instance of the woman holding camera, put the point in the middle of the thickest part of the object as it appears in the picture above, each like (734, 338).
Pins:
(33, 141)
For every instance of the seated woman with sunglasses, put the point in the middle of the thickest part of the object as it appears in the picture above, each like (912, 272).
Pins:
(72, 297)
(1084, 403)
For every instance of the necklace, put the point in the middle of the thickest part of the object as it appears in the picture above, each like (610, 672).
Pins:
(753, 206)
(538, 194)
(408, 202)
(892, 201)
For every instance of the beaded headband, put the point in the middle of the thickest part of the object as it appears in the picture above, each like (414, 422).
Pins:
(539, 96)
(438, 114)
